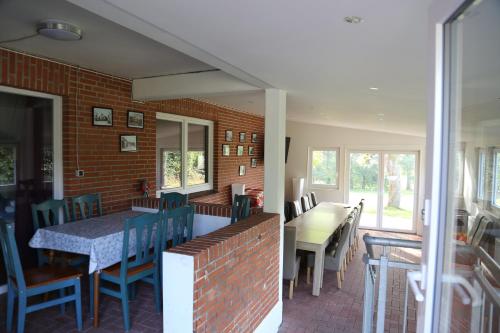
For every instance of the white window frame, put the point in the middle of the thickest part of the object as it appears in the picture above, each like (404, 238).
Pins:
(309, 168)
(494, 182)
(185, 121)
(481, 175)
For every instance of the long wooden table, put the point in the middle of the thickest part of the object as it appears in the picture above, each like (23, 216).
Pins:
(314, 231)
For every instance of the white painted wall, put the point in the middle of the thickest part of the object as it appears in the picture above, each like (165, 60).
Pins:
(305, 135)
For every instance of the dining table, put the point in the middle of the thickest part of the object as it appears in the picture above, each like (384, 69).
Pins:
(315, 229)
(101, 238)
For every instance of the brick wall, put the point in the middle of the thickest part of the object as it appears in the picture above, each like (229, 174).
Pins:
(236, 282)
(107, 170)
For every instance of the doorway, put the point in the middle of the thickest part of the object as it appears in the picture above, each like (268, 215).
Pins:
(30, 160)
(387, 181)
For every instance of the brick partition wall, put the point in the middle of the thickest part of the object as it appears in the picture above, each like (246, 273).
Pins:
(236, 274)
(107, 170)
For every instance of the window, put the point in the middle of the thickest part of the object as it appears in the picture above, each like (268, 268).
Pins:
(184, 150)
(481, 172)
(459, 172)
(323, 167)
(7, 165)
(496, 179)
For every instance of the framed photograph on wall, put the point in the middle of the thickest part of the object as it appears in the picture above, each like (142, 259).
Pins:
(128, 143)
(243, 136)
(229, 135)
(250, 150)
(242, 170)
(226, 150)
(254, 137)
(239, 150)
(102, 116)
(253, 162)
(135, 119)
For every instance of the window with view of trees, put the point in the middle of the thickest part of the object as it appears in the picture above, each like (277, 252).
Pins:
(184, 148)
(324, 167)
(7, 165)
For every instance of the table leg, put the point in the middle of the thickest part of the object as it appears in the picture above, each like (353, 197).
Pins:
(318, 271)
(96, 298)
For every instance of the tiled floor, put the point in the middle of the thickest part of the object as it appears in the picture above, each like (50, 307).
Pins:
(333, 311)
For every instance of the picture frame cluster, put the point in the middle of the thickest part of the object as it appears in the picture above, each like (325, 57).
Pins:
(240, 148)
(103, 117)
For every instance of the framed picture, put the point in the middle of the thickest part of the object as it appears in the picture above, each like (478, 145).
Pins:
(135, 119)
(254, 137)
(102, 116)
(229, 135)
(226, 150)
(242, 170)
(243, 136)
(250, 150)
(239, 150)
(128, 143)
(253, 162)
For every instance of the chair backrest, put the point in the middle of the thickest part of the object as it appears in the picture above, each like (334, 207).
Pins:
(172, 200)
(49, 211)
(289, 252)
(305, 203)
(86, 205)
(312, 196)
(352, 219)
(11, 255)
(288, 211)
(296, 208)
(343, 243)
(182, 225)
(241, 208)
(143, 228)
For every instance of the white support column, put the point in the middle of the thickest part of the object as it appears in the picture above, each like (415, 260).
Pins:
(274, 162)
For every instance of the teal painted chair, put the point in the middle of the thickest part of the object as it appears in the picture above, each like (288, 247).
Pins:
(85, 204)
(143, 266)
(172, 200)
(241, 208)
(46, 214)
(23, 285)
(182, 226)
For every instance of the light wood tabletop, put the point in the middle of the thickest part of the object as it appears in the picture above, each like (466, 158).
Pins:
(314, 231)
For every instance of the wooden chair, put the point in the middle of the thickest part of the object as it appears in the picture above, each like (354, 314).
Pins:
(172, 200)
(305, 203)
(241, 208)
(143, 265)
(291, 262)
(86, 205)
(353, 217)
(296, 209)
(50, 211)
(23, 285)
(335, 258)
(182, 226)
(312, 197)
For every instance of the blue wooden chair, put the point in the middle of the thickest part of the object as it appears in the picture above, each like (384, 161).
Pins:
(47, 214)
(85, 204)
(142, 266)
(22, 285)
(182, 226)
(241, 208)
(172, 200)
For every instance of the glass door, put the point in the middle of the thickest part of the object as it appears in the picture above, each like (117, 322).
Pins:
(461, 254)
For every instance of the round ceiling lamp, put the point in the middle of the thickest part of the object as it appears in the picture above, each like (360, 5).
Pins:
(353, 19)
(59, 30)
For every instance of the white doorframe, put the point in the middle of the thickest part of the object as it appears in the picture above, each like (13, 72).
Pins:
(57, 140)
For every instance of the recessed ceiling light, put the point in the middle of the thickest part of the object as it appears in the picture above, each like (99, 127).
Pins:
(353, 19)
(373, 88)
(380, 114)
(59, 30)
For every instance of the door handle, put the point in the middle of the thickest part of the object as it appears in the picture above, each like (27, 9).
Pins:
(413, 277)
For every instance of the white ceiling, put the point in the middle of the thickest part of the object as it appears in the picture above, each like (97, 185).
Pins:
(326, 65)
(106, 46)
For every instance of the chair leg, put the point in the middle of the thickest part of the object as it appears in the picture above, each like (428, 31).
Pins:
(126, 317)
(157, 291)
(339, 281)
(342, 273)
(290, 291)
(21, 313)
(308, 278)
(63, 305)
(10, 308)
(91, 292)
(297, 280)
(78, 304)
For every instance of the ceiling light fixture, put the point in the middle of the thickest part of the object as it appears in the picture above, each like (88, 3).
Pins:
(59, 30)
(353, 19)
(373, 88)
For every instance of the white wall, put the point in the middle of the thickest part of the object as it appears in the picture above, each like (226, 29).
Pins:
(305, 135)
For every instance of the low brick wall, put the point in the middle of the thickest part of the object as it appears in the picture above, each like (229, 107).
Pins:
(201, 207)
(236, 274)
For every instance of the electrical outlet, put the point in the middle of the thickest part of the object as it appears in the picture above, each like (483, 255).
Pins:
(80, 173)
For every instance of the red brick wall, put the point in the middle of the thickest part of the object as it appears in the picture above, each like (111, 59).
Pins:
(117, 175)
(236, 274)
